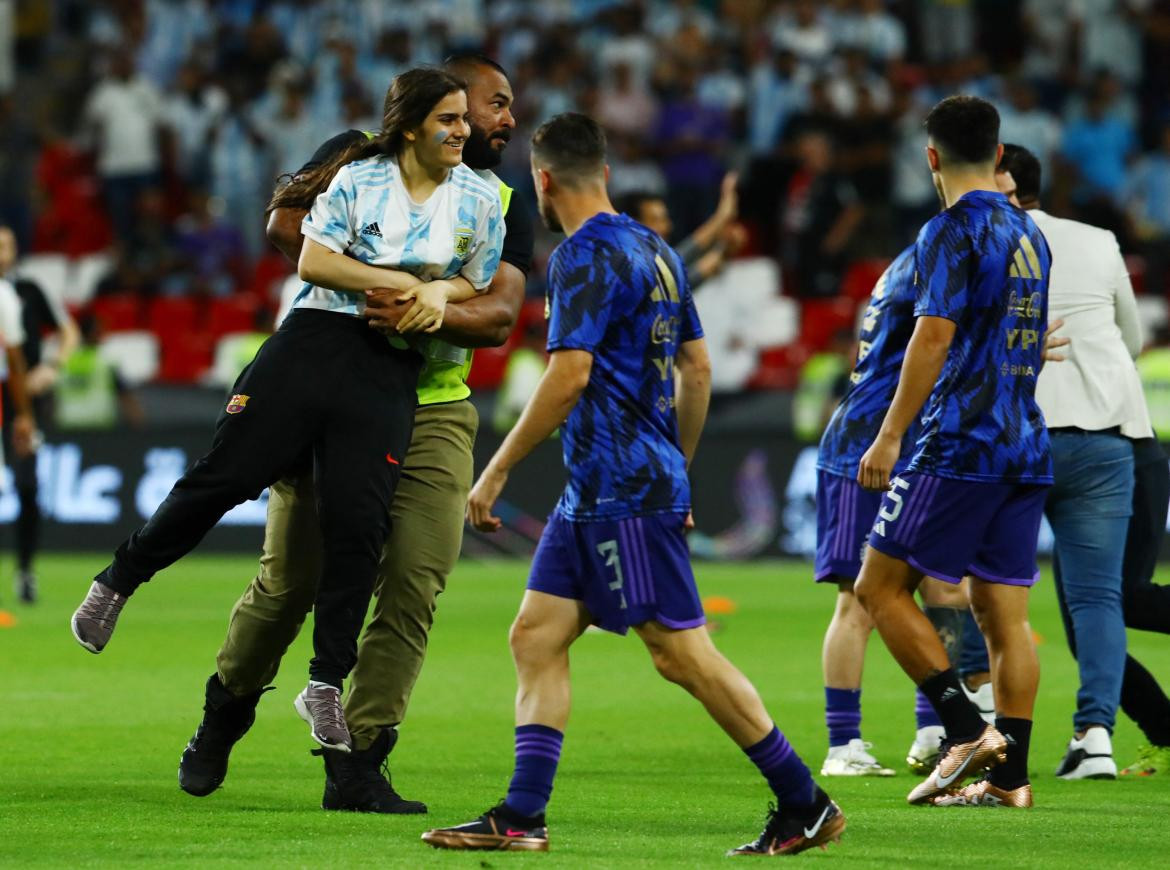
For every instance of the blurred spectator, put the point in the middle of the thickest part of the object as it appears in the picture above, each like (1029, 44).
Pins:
(1022, 121)
(775, 93)
(123, 118)
(632, 169)
(691, 142)
(1147, 196)
(705, 251)
(946, 29)
(668, 17)
(190, 110)
(819, 214)
(17, 147)
(914, 197)
(92, 395)
(292, 132)
(872, 29)
(624, 104)
(212, 250)
(853, 76)
(824, 378)
(628, 45)
(394, 54)
(1097, 146)
(1107, 35)
(802, 28)
(241, 171)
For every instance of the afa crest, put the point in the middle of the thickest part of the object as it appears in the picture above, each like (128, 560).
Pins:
(463, 241)
(237, 403)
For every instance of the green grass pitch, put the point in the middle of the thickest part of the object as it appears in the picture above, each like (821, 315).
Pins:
(90, 744)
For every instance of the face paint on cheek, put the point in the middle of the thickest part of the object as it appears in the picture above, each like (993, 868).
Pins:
(440, 137)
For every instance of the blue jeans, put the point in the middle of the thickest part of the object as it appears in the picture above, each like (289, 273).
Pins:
(1089, 509)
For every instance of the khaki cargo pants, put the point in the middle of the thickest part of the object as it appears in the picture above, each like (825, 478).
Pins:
(424, 543)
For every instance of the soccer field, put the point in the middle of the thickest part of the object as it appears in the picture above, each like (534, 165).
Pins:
(91, 743)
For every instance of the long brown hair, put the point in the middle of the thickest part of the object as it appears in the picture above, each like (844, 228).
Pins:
(411, 97)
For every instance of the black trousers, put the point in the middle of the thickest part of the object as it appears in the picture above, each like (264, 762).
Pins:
(24, 479)
(1146, 604)
(325, 387)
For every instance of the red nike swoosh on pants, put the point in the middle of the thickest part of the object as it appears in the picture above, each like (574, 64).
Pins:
(391, 459)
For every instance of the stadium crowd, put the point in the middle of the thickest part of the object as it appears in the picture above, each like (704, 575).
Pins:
(152, 130)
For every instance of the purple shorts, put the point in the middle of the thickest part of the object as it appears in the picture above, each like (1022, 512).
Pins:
(845, 515)
(948, 528)
(625, 572)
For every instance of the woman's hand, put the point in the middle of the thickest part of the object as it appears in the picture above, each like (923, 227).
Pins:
(429, 303)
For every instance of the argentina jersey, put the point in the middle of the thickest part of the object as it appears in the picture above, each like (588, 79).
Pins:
(984, 264)
(618, 291)
(885, 331)
(367, 213)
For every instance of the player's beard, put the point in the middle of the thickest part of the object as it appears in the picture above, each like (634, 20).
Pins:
(549, 216)
(478, 152)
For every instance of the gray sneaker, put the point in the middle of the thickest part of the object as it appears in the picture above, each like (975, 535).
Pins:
(94, 621)
(320, 706)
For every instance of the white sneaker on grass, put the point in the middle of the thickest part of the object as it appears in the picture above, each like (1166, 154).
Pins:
(853, 759)
(1091, 757)
(925, 749)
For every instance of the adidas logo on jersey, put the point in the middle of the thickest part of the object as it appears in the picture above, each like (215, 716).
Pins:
(1025, 263)
(372, 230)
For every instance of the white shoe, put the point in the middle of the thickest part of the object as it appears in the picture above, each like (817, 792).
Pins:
(984, 699)
(853, 759)
(1091, 757)
(925, 749)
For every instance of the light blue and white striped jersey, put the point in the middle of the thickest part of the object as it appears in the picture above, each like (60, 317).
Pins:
(367, 213)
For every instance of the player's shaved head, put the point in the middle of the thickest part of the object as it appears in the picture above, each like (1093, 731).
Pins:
(571, 148)
(1025, 170)
(964, 130)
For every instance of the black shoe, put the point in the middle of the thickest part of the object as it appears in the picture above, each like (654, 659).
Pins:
(226, 719)
(359, 781)
(499, 829)
(789, 831)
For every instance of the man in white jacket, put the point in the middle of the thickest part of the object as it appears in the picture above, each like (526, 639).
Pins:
(1094, 408)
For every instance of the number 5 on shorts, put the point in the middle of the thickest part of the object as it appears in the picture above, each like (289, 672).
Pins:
(609, 549)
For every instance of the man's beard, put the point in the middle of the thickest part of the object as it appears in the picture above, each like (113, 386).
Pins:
(550, 217)
(478, 152)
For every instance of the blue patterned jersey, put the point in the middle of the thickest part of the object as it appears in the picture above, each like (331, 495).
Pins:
(984, 264)
(881, 345)
(618, 291)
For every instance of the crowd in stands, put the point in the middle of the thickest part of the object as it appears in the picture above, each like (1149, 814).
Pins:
(149, 133)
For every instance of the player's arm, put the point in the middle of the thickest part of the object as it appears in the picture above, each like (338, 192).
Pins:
(693, 364)
(925, 356)
(24, 425)
(556, 395)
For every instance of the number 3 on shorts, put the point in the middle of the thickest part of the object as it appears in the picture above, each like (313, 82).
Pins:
(609, 549)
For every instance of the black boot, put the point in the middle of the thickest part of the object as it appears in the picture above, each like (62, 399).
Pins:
(359, 781)
(226, 719)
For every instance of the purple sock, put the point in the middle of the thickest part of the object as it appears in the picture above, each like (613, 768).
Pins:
(924, 712)
(843, 715)
(538, 749)
(786, 773)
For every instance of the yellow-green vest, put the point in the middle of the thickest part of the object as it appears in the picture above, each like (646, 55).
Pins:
(87, 395)
(817, 377)
(1154, 368)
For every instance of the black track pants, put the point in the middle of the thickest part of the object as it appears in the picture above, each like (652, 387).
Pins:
(326, 386)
